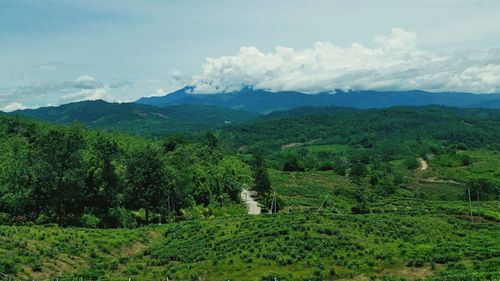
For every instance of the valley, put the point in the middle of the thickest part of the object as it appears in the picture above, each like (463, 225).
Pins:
(351, 199)
(230, 140)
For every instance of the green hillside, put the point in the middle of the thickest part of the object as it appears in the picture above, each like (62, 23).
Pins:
(358, 195)
(139, 119)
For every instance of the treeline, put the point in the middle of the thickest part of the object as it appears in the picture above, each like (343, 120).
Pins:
(379, 134)
(73, 176)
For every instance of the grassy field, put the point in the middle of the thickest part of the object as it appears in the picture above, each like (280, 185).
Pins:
(293, 246)
(484, 164)
(301, 190)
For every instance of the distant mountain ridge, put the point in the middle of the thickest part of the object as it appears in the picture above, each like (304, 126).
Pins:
(265, 102)
(139, 118)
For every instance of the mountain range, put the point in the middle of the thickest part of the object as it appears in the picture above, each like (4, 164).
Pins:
(184, 111)
(265, 102)
(138, 118)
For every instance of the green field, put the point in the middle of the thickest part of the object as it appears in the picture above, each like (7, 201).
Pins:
(422, 232)
(353, 200)
(294, 246)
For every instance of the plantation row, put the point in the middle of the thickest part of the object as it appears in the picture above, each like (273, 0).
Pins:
(298, 246)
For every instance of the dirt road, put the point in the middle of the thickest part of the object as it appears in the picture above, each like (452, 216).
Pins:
(252, 205)
(423, 164)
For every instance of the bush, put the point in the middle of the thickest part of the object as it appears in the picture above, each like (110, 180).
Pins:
(275, 277)
(7, 266)
(122, 217)
(293, 163)
(42, 220)
(36, 267)
(90, 221)
(326, 166)
(5, 218)
(412, 163)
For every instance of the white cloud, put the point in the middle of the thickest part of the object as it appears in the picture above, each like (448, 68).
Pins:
(86, 82)
(103, 93)
(13, 107)
(86, 87)
(396, 63)
(56, 92)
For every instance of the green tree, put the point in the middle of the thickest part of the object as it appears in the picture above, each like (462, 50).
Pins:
(358, 170)
(211, 140)
(16, 177)
(262, 184)
(173, 141)
(292, 162)
(231, 177)
(59, 173)
(412, 163)
(102, 184)
(146, 180)
(487, 190)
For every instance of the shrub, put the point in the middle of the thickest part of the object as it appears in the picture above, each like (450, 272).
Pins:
(293, 163)
(5, 218)
(7, 266)
(123, 217)
(412, 163)
(42, 219)
(90, 221)
(275, 277)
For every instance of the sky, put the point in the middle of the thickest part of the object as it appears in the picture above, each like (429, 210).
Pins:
(59, 51)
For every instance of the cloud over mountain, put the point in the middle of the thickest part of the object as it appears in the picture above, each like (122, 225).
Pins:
(395, 63)
(37, 94)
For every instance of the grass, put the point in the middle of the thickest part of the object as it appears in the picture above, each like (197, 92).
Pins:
(292, 246)
(485, 164)
(308, 190)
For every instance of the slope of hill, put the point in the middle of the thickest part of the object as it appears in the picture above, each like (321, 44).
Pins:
(138, 118)
(386, 133)
(265, 101)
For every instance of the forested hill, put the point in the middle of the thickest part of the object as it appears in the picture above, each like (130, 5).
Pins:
(389, 133)
(138, 118)
(265, 101)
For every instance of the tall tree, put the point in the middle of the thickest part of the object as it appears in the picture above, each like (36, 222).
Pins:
(102, 184)
(262, 184)
(231, 177)
(146, 179)
(59, 172)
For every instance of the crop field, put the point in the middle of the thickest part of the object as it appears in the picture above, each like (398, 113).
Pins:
(484, 164)
(294, 246)
(308, 190)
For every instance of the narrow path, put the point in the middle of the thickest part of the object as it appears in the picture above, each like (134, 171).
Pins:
(252, 205)
(423, 164)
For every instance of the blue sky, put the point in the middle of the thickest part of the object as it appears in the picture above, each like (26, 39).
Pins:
(57, 51)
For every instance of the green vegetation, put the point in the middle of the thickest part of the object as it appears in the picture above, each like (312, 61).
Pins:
(293, 246)
(355, 198)
(139, 119)
(75, 177)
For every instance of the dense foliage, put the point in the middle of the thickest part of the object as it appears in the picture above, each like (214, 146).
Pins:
(73, 176)
(370, 136)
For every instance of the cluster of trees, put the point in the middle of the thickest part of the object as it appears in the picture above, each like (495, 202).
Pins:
(73, 176)
(482, 189)
(385, 134)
